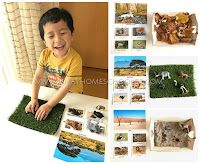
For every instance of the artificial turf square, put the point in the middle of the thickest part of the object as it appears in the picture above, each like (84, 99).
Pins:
(169, 89)
(49, 126)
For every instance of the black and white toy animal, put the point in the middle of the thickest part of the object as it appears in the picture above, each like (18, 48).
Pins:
(181, 86)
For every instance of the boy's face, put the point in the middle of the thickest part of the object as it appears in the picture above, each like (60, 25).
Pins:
(57, 37)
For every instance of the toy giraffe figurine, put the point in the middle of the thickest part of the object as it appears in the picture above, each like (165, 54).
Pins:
(181, 86)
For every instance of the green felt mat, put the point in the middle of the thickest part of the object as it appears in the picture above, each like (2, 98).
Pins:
(170, 90)
(49, 126)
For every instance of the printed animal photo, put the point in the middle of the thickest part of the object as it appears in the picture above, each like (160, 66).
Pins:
(138, 97)
(120, 97)
(76, 148)
(119, 137)
(122, 31)
(121, 44)
(120, 151)
(130, 66)
(139, 44)
(139, 150)
(75, 125)
(138, 84)
(131, 13)
(129, 119)
(121, 84)
(96, 122)
(139, 137)
(139, 31)
(75, 112)
(171, 81)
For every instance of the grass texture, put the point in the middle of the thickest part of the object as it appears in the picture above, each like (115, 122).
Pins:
(49, 126)
(170, 90)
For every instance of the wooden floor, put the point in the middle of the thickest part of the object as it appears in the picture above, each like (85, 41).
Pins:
(95, 82)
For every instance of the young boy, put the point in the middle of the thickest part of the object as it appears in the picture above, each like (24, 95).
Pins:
(62, 63)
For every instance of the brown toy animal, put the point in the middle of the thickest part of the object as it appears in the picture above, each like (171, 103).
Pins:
(183, 75)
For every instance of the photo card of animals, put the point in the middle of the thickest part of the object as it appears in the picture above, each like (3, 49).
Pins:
(130, 13)
(139, 31)
(121, 85)
(139, 44)
(129, 119)
(122, 31)
(130, 27)
(79, 148)
(121, 44)
(130, 66)
(83, 134)
(121, 98)
(129, 138)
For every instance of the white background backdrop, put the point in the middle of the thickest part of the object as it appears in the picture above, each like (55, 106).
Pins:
(170, 107)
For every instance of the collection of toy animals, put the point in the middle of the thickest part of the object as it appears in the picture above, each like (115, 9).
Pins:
(180, 28)
(94, 121)
(180, 85)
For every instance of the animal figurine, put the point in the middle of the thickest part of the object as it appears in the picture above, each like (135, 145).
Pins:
(97, 115)
(164, 74)
(100, 107)
(181, 86)
(183, 75)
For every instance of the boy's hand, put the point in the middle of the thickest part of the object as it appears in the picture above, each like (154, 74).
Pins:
(32, 106)
(43, 112)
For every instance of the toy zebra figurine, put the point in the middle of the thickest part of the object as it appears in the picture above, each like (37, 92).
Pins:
(181, 86)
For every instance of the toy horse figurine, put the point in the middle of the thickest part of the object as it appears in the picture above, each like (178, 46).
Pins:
(181, 86)
(163, 74)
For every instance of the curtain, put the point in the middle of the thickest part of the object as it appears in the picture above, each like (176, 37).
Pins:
(23, 18)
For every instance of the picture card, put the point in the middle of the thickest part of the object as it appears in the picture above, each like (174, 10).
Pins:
(77, 148)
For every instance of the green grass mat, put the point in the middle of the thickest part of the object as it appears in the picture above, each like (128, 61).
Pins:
(170, 90)
(49, 125)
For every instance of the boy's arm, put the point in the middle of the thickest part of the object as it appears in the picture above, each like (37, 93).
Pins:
(36, 82)
(46, 108)
(33, 104)
(60, 94)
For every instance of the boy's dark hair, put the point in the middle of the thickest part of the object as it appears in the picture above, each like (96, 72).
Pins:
(54, 15)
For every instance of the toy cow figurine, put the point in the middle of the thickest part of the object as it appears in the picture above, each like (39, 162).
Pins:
(181, 86)
(163, 74)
